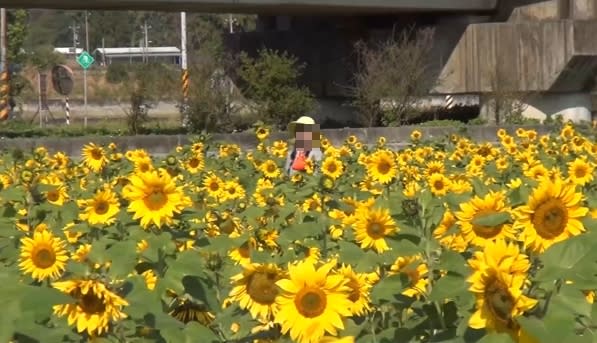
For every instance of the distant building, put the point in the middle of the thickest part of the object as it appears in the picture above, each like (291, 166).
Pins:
(167, 54)
(70, 51)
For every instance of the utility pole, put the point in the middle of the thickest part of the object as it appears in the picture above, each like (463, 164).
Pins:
(85, 70)
(4, 75)
(183, 64)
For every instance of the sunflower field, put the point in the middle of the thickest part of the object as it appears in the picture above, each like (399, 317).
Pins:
(442, 241)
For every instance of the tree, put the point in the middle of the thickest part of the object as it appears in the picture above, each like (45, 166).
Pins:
(271, 81)
(392, 75)
(17, 33)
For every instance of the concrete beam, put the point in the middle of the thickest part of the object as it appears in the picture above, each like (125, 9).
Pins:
(265, 6)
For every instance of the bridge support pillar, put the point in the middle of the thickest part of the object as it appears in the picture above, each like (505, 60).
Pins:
(576, 107)
(571, 106)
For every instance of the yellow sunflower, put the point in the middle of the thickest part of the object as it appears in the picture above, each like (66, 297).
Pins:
(213, 185)
(475, 209)
(332, 167)
(194, 164)
(580, 171)
(439, 184)
(94, 308)
(58, 195)
(154, 198)
(381, 166)
(270, 169)
(552, 214)
(262, 133)
(417, 272)
(450, 240)
(255, 289)
(43, 256)
(94, 157)
(372, 226)
(498, 287)
(360, 288)
(101, 209)
(312, 302)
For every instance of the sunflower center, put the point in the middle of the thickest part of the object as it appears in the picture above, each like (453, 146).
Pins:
(194, 163)
(53, 195)
(101, 207)
(313, 205)
(96, 154)
(332, 168)
(214, 187)
(438, 185)
(144, 167)
(383, 167)
(156, 199)
(354, 295)
(271, 167)
(91, 303)
(550, 219)
(262, 288)
(310, 302)
(44, 258)
(580, 172)
(486, 232)
(499, 301)
(376, 230)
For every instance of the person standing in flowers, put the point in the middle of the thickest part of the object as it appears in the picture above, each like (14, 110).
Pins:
(306, 145)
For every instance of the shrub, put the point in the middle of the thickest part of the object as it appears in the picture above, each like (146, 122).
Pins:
(271, 81)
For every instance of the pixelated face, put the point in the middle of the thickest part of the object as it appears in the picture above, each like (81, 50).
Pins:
(306, 132)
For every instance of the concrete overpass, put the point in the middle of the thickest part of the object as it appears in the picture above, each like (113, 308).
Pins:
(285, 7)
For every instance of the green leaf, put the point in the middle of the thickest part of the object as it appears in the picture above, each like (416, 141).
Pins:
(567, 254)
(141, 299)
(173, 334)
(491, 220)
(42, 187)
(298, 232)
(388, 287)
(350, 253)
(12, 194)
(403, 247)
(7, 323)
(448, 287)
(37, 299)
(452, 261)
(124, 258)
(195, 331)
(573, 300)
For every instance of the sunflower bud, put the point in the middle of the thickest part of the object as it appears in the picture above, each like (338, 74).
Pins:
(410, 207)
(214, 261)
(171, 160)
(241, 207)
(327, 183)
(26, 176)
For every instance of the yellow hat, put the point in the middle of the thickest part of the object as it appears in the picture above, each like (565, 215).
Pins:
(304, 120)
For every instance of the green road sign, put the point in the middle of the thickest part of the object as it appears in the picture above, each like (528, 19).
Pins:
(85, 60)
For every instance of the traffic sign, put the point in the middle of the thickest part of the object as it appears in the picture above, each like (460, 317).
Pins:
(85, 60)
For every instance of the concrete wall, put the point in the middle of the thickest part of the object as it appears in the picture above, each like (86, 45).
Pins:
(555, 56)
(163, 144)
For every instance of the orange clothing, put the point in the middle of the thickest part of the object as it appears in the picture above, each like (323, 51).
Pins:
(299, 161)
